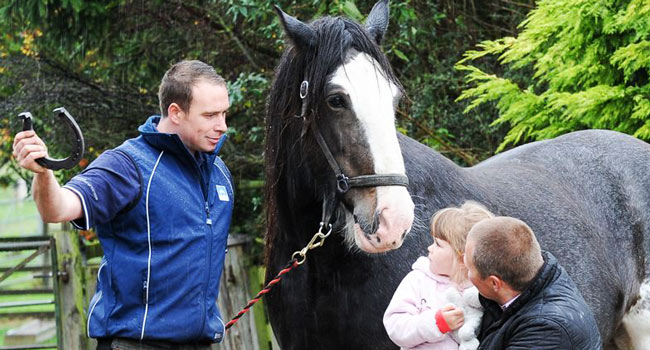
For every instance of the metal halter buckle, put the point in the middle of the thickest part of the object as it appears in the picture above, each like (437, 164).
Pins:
(342, 183)
(304, 89)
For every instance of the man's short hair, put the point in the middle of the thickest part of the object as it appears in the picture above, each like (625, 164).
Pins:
(506, 247)
(176, 85)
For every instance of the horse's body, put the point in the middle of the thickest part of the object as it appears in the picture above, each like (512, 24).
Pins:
(586, 195)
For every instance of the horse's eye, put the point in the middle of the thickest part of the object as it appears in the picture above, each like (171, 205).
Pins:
(336, 102)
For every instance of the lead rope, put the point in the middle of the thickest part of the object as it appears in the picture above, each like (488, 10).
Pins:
(293, 263)
(297, 259)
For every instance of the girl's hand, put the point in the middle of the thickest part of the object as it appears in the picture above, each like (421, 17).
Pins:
(453, 316)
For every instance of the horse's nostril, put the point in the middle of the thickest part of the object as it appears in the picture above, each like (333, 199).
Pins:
(378, 239)
(394, 243)
(404, 234)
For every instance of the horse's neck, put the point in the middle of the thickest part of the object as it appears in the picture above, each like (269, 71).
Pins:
(435, 181)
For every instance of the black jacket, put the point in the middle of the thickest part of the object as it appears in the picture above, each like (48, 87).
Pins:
(549, 314)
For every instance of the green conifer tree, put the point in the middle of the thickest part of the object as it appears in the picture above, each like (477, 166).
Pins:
(584, 64)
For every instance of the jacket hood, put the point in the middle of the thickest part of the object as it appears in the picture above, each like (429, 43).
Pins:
(170, 142)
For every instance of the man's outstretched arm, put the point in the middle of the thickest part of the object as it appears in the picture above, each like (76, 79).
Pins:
(54, 203)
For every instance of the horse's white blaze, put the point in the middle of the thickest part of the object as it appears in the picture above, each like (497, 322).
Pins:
(372, 96)
(637, 320)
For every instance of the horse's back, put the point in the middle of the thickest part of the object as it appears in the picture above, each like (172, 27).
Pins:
(586, 195)
(597, 169)
(605, 173)
(599, 146)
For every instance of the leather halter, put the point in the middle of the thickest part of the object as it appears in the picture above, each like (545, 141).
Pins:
(343, 182)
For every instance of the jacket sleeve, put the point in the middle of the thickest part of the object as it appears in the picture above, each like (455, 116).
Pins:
(405, 324)
(540, 333)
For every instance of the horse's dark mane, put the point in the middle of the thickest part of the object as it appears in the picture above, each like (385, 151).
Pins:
(336, 36)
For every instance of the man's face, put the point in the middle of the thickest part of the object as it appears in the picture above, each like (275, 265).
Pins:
(483, 285)
(203, 125)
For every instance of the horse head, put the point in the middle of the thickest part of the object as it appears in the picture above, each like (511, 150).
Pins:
(331, 117)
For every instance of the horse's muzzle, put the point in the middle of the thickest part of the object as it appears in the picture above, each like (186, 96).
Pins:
(392, 221)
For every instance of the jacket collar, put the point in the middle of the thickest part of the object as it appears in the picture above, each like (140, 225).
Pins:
(171, 142)
(545, 276)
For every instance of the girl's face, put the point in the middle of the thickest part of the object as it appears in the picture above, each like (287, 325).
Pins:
(442, 258)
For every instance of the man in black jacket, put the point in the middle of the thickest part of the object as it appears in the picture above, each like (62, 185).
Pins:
(530, 301)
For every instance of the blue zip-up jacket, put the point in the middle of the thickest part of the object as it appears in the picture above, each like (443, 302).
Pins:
(163, 256)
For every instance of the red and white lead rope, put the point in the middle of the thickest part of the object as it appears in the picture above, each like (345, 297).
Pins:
(297, 259)
(293, 263)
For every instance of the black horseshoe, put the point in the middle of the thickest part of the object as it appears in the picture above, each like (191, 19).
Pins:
(77, 153)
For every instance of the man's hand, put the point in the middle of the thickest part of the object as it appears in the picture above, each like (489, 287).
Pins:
(27, 148)
(453, 316)
(54, 203)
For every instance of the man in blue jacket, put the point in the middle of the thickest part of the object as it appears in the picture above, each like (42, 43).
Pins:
(529, 300)
(161, 205)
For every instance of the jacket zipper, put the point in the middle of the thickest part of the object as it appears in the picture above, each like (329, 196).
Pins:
(207, 213)
(208, 222)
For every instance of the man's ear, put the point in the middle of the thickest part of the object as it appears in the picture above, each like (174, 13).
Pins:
(175, 113)
(496, 283)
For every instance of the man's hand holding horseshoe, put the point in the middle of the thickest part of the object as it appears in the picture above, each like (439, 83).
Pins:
(27, 148)
(54, 203)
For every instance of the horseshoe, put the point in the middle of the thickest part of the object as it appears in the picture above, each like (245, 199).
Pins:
(77, 153)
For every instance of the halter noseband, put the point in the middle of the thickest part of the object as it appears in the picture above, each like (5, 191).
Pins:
(343, 182)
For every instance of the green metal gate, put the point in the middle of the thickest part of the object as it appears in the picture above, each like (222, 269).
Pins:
(37, 245)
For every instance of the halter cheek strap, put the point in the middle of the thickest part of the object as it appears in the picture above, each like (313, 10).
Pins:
(343, 182)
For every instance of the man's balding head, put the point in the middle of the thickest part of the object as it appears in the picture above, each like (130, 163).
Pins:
(505, 247)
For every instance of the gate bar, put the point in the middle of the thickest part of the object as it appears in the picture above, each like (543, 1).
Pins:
(41, 249)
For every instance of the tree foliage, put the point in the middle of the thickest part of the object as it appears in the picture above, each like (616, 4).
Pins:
(585, 65)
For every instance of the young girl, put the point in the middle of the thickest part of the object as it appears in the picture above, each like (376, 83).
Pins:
(436, 298)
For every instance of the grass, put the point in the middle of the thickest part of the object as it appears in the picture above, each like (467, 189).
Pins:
(17, 218)
(26, 297)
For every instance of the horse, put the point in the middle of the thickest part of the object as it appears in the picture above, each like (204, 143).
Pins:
(331, 118)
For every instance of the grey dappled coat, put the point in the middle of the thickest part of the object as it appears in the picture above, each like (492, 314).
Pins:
(549, 314)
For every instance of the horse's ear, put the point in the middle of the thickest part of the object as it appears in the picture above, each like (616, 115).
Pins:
(302, 35)
(377, 21)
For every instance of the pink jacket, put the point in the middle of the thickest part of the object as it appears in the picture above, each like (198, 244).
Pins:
(410, 316)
